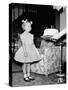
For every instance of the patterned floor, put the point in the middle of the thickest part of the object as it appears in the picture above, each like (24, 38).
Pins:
(17, 80)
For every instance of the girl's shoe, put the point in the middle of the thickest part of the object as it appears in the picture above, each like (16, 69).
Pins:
(26, 79)
(31, 78)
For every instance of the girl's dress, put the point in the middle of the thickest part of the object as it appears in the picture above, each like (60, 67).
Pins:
(27, 53)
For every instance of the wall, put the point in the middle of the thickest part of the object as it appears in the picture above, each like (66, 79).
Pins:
(63, 20)
(63, 26)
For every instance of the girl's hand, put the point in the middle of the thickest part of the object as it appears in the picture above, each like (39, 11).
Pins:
(25, 54)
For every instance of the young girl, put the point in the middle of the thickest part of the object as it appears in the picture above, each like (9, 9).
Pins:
(27, 53)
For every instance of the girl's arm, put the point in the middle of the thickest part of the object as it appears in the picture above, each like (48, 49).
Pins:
(24, 47)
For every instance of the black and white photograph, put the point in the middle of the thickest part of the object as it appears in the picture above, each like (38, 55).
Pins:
(37, 44)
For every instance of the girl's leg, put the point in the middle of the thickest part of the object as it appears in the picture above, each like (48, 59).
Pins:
(24, 68)
(28, 70)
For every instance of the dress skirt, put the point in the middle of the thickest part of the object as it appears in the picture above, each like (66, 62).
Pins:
(32, 54)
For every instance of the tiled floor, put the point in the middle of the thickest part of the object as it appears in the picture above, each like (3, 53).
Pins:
(17, 80)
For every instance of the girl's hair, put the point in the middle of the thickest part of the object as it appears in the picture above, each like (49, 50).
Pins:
(21, 30)
(26, 21)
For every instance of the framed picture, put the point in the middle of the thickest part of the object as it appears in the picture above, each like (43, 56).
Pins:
(37, 44)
